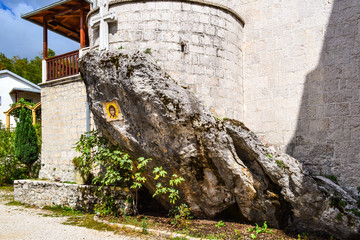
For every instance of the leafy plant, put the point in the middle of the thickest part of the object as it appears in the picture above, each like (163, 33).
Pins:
(120, 169)
(238, 234)
(148, 51)
(332, 178)
(107, 206)
(217, 118)
(144, 225)
(25, 142)
(175, 180)
(258, 230)
(181, 215)
(281, 164)
(87, 147)
(10, 167)
(23, 102)
(303, 236)
(220, 224)
(337, 202)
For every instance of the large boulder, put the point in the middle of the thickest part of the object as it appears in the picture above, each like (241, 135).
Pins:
(226, 166)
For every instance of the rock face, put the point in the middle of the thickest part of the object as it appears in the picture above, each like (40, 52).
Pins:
(226, 166)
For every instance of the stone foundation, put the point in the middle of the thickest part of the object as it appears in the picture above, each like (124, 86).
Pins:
(80, 197)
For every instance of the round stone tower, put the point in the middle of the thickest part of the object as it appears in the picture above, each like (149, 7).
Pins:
(197, 43)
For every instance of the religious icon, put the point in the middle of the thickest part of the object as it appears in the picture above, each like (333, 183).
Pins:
(112, 111)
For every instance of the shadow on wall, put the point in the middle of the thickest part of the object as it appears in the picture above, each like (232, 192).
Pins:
(327, 138)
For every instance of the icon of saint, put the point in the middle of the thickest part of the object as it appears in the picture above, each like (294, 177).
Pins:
(112, 112)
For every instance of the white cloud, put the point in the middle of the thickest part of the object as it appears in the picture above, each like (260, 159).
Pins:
(22, 38)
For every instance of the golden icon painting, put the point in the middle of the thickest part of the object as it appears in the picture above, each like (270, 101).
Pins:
(112, 111)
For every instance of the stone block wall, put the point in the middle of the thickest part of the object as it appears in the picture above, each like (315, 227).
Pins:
(211, 64)
(301, 81)
(63, 121)
(81, 197)
(295, 65)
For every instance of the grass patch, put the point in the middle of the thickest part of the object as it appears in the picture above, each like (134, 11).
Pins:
(196, 228)
(7, 188)
(69, 182)
(63, 211)
(15, 203)
(48, 215)
(88, 222)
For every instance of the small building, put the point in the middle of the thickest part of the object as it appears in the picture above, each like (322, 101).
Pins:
(12, 89)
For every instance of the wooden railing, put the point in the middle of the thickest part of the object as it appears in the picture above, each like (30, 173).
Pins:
(62, 66)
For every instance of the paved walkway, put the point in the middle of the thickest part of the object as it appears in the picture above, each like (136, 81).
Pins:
(17, 222)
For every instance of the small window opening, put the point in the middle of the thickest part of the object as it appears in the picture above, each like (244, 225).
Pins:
(182, 44)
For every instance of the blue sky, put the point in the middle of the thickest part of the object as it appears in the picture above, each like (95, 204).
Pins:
(22, 38)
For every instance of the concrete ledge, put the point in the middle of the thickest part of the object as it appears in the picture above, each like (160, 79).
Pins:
(81, 197)
(59, 81)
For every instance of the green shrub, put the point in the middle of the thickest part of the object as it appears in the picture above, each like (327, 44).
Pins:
(10, 167)
(120, 169)
(144, 225)
(181, 216)
(258, 230)
(25, 142)
(220, 224)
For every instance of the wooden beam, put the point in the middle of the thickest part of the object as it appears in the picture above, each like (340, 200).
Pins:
(82, 28)
(33, 114)
(8, 121)
(68, 10)
(66, 28)
(45, 38)
(69, 16)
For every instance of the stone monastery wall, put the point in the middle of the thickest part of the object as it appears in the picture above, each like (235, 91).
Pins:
(63, 121)
(211, 64)
(291, 73)
(302, 81)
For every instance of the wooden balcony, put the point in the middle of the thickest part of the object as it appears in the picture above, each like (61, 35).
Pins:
(62, 66)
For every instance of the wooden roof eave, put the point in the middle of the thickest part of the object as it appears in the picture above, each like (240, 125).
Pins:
(54, 30)
(41, 12)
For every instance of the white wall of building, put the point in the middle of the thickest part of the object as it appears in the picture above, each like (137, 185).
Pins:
(8, 81)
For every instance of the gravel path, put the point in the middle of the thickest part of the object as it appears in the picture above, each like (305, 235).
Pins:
(17, 222)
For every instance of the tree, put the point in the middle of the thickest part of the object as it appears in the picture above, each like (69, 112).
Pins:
(30, 70)
(10, 167)
(25, 144)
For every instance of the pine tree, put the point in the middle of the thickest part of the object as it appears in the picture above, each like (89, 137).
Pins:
(25, 144)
